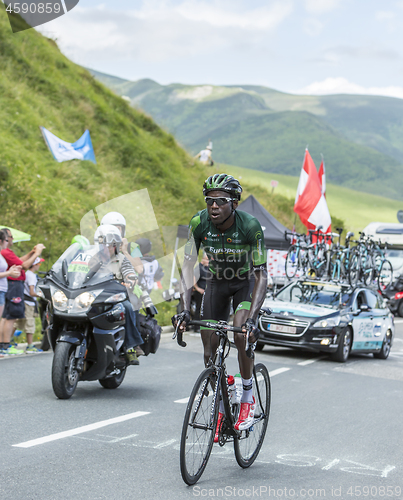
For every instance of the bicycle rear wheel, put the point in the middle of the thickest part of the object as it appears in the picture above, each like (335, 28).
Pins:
(199, 427)
(248, 445)
(292, 262)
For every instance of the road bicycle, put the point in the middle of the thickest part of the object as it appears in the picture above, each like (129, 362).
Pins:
(340, 258)
(200, 421)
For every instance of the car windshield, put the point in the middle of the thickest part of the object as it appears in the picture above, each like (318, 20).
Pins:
(78, 267)
(315, 293)
(395, 257)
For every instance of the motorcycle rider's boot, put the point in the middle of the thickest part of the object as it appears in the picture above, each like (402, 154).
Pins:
(139, 351)
(131, 356)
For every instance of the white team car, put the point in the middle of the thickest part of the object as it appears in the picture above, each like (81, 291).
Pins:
(328, 317)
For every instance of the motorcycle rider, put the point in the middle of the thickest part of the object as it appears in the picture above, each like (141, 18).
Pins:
(133, 256)
(109, 258)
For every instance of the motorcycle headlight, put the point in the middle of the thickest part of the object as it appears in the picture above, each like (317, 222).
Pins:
(59, 300)
(118, 297)
(39, 292)
(84, 301)
(327, 323)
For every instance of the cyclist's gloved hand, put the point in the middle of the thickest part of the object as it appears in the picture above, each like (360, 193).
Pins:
(180, 322)
(251, 328)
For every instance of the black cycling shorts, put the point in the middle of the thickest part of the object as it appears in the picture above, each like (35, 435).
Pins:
(216, 302)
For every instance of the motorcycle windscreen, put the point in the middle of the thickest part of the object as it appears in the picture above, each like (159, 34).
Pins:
(82, 265)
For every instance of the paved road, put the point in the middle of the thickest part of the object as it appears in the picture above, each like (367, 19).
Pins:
(335, 430)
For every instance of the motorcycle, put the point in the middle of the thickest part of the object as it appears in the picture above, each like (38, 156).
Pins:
(86, 321)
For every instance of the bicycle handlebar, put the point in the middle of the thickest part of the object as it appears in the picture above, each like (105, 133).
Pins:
(221, 326)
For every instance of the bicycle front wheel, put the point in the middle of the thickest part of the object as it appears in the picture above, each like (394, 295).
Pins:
(385, 275)
(199, 427)
(248, 444)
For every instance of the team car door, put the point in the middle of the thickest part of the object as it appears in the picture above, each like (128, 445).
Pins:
(379, 314)
(362, 323)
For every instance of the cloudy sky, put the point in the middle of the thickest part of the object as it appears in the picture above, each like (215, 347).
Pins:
(304, 46)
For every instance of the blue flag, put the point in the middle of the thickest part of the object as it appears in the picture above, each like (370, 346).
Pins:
(63, 151)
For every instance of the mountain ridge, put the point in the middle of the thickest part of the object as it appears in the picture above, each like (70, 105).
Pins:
(358, 135)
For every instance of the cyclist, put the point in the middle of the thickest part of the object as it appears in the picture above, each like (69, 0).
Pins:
(130, 250)
(234, 244)
(109, 239)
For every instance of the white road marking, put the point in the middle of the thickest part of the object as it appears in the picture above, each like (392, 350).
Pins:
(117, 440)
(80, 430)
(329, 466)
(182, 401)
(309, 361)
(398, 320)
(164, 444)
(273, 373)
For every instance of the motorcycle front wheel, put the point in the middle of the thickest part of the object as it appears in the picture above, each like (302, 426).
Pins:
(64, 374)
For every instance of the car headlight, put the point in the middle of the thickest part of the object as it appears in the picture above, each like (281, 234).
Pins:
(118, 297)
(327, 323)
(59, 300)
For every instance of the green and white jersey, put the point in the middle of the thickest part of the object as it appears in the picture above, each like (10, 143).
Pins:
(231, 253)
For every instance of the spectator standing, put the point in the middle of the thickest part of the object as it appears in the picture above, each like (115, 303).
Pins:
(13, 272)
(14, 305)
(27, 324)
(152, 271)
(205, 155)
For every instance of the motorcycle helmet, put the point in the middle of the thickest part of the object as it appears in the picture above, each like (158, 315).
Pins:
(223, 182)
(108, 235)
(114, 219)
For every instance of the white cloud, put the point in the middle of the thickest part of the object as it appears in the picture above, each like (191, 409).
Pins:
(161, 30)
(313, 27)
(343, 86)
(321, 6)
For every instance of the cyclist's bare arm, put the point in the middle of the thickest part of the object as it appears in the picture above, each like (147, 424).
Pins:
(259, 293)
(187, 280)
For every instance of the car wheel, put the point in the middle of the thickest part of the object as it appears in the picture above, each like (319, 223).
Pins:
(400, 309)
(344, 347)
(386, 345)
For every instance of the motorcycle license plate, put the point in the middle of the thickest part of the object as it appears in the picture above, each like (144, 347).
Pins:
(282, 328)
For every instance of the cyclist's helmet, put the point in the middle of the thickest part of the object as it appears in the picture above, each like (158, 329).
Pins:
(223, 182)
(108, 235)
(81, 240)
(114, 219)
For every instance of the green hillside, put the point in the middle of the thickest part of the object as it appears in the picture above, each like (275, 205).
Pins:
(259, 128)
(41, 87)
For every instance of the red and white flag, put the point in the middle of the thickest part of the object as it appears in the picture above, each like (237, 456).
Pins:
(310, 204)
(322, 177)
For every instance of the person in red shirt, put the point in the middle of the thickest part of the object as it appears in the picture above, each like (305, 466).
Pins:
(14, 307)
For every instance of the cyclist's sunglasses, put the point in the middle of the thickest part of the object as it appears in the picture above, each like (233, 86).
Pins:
(220, 201)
